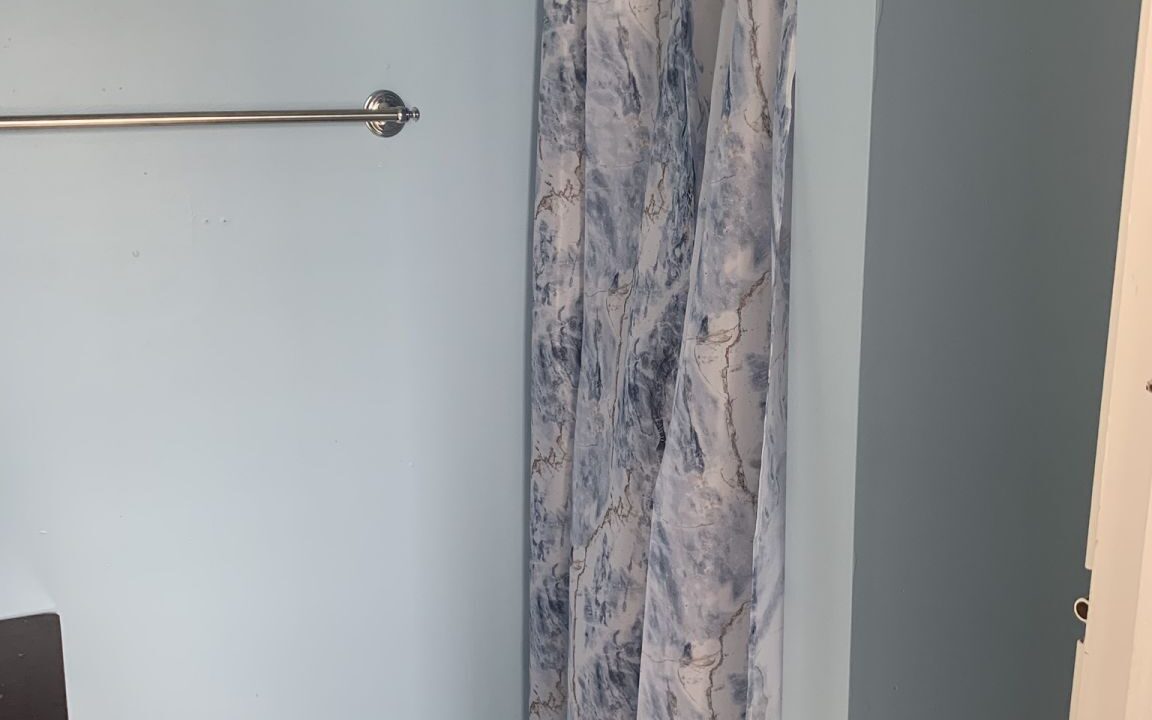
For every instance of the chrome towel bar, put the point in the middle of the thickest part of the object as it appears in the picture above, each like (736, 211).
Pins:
(384, 113)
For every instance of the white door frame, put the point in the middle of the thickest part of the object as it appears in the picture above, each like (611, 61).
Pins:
(1114, 662)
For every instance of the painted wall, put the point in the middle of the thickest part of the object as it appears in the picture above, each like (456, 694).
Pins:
(262, 389)
(830, 195)
(998, 135)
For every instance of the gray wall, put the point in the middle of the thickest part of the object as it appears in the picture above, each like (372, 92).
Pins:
(833, 115)
(995, 181)
(261, 389)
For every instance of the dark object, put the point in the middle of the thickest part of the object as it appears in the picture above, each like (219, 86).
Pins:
(32, 669)
(1080, 607)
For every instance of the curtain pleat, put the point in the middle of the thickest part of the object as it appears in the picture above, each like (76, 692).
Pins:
(658, 359)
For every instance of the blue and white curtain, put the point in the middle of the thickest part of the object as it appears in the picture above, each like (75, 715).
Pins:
(660, 313)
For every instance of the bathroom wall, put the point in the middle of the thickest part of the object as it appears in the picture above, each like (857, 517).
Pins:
(830, 198)
(262, 389)
(998, 137)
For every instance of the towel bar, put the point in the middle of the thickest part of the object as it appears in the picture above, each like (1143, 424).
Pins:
(384, 113)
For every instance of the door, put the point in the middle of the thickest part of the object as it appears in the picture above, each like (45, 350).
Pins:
(1114, 662)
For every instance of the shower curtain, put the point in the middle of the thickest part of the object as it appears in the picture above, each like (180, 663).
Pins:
(659, 329)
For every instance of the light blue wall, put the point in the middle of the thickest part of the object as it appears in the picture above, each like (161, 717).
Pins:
(833, 116)
(262, 389)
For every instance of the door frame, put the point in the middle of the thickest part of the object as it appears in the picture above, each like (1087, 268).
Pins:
(1113, 679)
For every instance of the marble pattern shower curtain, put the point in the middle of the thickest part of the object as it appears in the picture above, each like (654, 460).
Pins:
(660, 280)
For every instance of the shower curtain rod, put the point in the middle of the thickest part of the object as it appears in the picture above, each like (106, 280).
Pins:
(384, 113)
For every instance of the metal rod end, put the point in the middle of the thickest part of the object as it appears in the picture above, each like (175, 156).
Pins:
(388, 100)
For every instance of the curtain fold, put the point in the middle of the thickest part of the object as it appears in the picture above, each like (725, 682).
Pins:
(660, 287)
